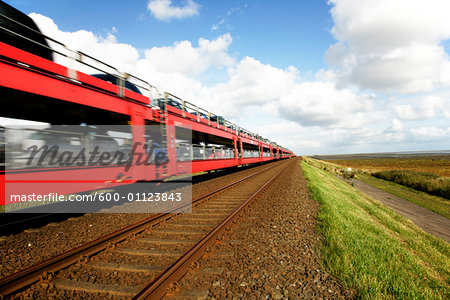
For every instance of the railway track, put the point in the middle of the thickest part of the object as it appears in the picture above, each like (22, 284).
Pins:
(145, 259)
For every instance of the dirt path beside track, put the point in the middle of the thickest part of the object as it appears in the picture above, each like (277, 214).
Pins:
(427, 220)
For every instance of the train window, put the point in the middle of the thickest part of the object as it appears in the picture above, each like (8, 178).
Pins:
(196, 145)
(250, 150)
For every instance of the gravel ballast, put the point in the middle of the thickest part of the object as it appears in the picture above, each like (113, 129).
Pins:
(271, 253)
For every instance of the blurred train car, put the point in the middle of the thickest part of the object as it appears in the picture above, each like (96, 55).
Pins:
(39, 96)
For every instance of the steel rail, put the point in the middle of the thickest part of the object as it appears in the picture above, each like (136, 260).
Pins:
(32, 274)
(159, 287)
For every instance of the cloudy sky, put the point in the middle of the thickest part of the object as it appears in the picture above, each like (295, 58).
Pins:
(319, 77)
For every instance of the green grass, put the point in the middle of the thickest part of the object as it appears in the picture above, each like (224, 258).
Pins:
(433, 203)
(373, 250)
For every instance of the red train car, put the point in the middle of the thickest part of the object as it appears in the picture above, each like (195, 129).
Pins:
(38, 93)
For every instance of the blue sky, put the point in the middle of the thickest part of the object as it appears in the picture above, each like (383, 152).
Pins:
(343, 76)
(295, 33)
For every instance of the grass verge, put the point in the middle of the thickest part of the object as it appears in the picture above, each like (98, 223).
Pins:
(372, 249)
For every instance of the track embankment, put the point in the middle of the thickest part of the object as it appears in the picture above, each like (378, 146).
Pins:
(271, 253)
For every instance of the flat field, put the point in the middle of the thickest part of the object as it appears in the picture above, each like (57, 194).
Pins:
(438, 164)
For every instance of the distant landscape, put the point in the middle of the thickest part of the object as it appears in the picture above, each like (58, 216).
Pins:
(437, 162)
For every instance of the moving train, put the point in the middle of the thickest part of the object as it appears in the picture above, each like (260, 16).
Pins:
(107, 114)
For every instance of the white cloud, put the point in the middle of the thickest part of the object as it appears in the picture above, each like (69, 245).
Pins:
(217, 25)
(250, 83)
(431, 133)
(182, 57)
(424, 108)
(391, 46)
(292, 135)
(164, 10)
(397, 125)
(396, 132)
(224, 19)
(322, 104)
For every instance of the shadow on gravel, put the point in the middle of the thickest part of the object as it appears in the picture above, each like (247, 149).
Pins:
(18, 222)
